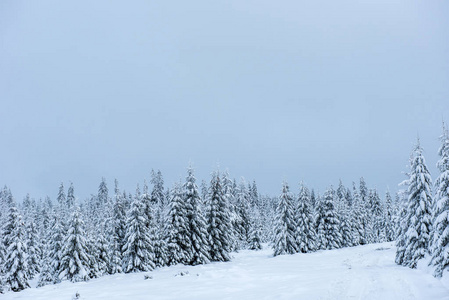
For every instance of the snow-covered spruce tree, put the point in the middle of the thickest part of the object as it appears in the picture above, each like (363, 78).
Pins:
(402, 224)
(377, 216)
(34, 249)
(254, 194)
(157, 235)
(153, 213)
(319, 215)
(100, 254)
(389, 218)
(255, 234)
(74, 253)
(103, 192)
(177, 231)
(2, 256)
(417, 235)
(8, 229)
(51, 250)
(15, 267)
(242, 222)
(440, 245)
(157, 194)
(329, 227)
(119, 230)
(285, 241)
(305, 230)
(138, 252)
(70, 197)
(61, 198)
(230, 194)
(344, 216)
(358, 216)
(199, 251)
(57, 233)
(218, 221)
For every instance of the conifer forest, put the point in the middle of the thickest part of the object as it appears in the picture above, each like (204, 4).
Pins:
(196, 222)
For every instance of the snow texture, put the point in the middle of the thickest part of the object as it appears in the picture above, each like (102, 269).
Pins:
(362, 272)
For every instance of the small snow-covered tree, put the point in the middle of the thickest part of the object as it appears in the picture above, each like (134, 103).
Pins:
(74, 253)
(285, 241)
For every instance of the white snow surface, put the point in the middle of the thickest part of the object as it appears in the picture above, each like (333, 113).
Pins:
(363, 272)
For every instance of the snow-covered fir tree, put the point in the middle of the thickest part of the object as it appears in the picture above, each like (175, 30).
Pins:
(418, 219)
(61, 198)
(218, 221)
(34, 249)
(254, 194)
(440, 244)
(15, 266)
(285, 241)
(344, 216)
(74, 253)
(389, 218)
(199, 243)
(119, 230)
(402, 225)
(57, 233)
(157, 194)
(70, 197)
(100, 259)
(329, 228)
(242, 220)
(377, 217)
(138, 252)
(305, 230)
(177, 231)
(255, 234)
(358, 213)
(103, 193)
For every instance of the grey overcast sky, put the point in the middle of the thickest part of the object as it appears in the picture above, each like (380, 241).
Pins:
(271, 90)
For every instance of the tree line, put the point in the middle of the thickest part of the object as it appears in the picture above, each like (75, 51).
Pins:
(195, 224)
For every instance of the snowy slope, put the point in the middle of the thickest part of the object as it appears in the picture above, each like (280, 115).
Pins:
(363, 272)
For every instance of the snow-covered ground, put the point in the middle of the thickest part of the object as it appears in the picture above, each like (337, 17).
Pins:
(364, 272)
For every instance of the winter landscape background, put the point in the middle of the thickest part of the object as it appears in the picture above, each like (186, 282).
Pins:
(232, 149)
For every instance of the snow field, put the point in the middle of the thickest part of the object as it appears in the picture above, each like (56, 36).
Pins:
(363, 272)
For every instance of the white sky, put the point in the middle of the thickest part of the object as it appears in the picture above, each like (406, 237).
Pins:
(271, 90)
